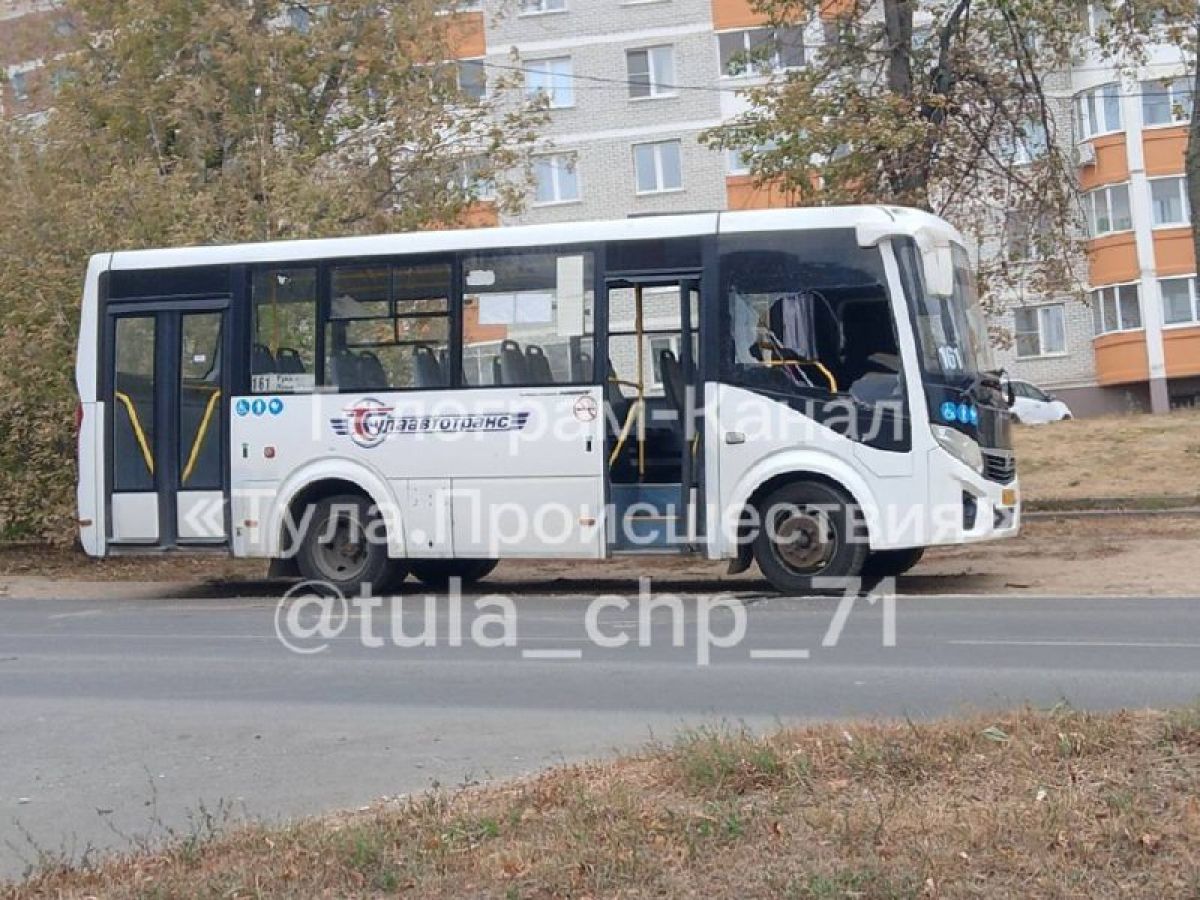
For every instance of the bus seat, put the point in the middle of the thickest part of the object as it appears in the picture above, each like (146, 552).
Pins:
(371, 373)
(537, 365)
(672, 376)
(344, 370)
(512, 364)
(262, 360)
(584, 367)
(429, 369)
(288, 360)
(613, 398)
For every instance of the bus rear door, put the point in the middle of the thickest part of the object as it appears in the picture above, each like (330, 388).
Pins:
(165, 392)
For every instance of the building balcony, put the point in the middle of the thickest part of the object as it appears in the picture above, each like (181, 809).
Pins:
(1121, 358)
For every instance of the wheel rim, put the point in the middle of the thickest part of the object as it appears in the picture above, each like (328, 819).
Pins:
(805, 539)
(342, 555)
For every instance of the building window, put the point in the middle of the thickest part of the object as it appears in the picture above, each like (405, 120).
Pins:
(1181, 300)
(552, 78)
(475, 179)
(472, 78)
(300, 19)
(1169, 197)
(1166, 102)
(736, 162)
(555, 178)
(658, 167)
(1040, 330)
(1026, 145)
(651, 72)
(1023, 234)
(760, 51)
(1108, 210)
(19, 82)
(1117, 308)
(1098, 19)
(533, 7)
(1098, 111)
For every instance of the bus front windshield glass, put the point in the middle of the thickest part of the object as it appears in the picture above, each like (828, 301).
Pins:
(951, 332)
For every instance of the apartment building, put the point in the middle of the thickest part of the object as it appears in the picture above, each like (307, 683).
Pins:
(1133, 344)
(633, 84)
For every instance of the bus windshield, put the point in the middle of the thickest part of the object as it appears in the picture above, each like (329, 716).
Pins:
(951, 334)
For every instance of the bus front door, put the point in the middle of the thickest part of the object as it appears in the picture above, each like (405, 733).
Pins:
(167, 420)
(654, 451)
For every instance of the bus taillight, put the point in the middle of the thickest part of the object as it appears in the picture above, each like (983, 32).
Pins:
(78, 418)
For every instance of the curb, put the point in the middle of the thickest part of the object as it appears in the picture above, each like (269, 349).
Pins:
(1044, 514)
(1157, 504)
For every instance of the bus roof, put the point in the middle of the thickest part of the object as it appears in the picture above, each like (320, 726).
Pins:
(423, 242)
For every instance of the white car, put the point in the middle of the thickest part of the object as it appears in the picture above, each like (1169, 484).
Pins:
(1033, 406)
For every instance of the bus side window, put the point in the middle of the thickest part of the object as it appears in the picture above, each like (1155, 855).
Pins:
(802, 324)
(528, 319)
(389, 327)
(284, 325)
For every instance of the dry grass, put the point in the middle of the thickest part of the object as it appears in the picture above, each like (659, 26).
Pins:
(1111, 456)
(1058, 804)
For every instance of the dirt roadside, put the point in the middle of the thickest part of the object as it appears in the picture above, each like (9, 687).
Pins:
(1124, 555)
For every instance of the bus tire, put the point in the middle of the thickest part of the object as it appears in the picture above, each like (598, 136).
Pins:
(345, 546)
(890, 563)
(436, 573)
(809, 530)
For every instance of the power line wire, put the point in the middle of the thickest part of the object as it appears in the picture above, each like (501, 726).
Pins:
(611, 83)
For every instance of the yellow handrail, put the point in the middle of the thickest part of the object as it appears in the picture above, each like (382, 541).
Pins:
(137, 429)
(201, 434)
(775, 363)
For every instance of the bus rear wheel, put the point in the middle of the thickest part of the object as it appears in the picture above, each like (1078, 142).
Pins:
(808, 530)
(436, 573)
(344, 546)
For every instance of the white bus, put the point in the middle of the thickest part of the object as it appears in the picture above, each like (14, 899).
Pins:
(807, 389)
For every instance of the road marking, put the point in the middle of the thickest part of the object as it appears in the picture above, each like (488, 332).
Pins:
(1148, 645)
(779, 654)
(552, 654)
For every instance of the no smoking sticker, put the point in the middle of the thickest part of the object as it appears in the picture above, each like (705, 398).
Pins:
(586, 409)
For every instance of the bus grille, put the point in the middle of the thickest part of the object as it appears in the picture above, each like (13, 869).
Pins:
(999, 466)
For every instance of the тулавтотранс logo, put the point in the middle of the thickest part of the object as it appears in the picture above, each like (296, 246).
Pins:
(370, 422)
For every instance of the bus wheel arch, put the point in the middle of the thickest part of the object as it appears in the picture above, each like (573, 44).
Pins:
(331, 509)
(801, 527)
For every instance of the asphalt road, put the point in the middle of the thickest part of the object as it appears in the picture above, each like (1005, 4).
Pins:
(126, 719)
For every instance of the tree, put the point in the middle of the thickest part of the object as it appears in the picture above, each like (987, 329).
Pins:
(201, 121)
(956, 106)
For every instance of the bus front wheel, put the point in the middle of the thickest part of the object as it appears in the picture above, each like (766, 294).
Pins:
(809, 530)
(344, 546)
(436, 573)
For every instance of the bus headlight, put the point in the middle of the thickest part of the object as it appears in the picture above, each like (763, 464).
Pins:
(959, 446)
